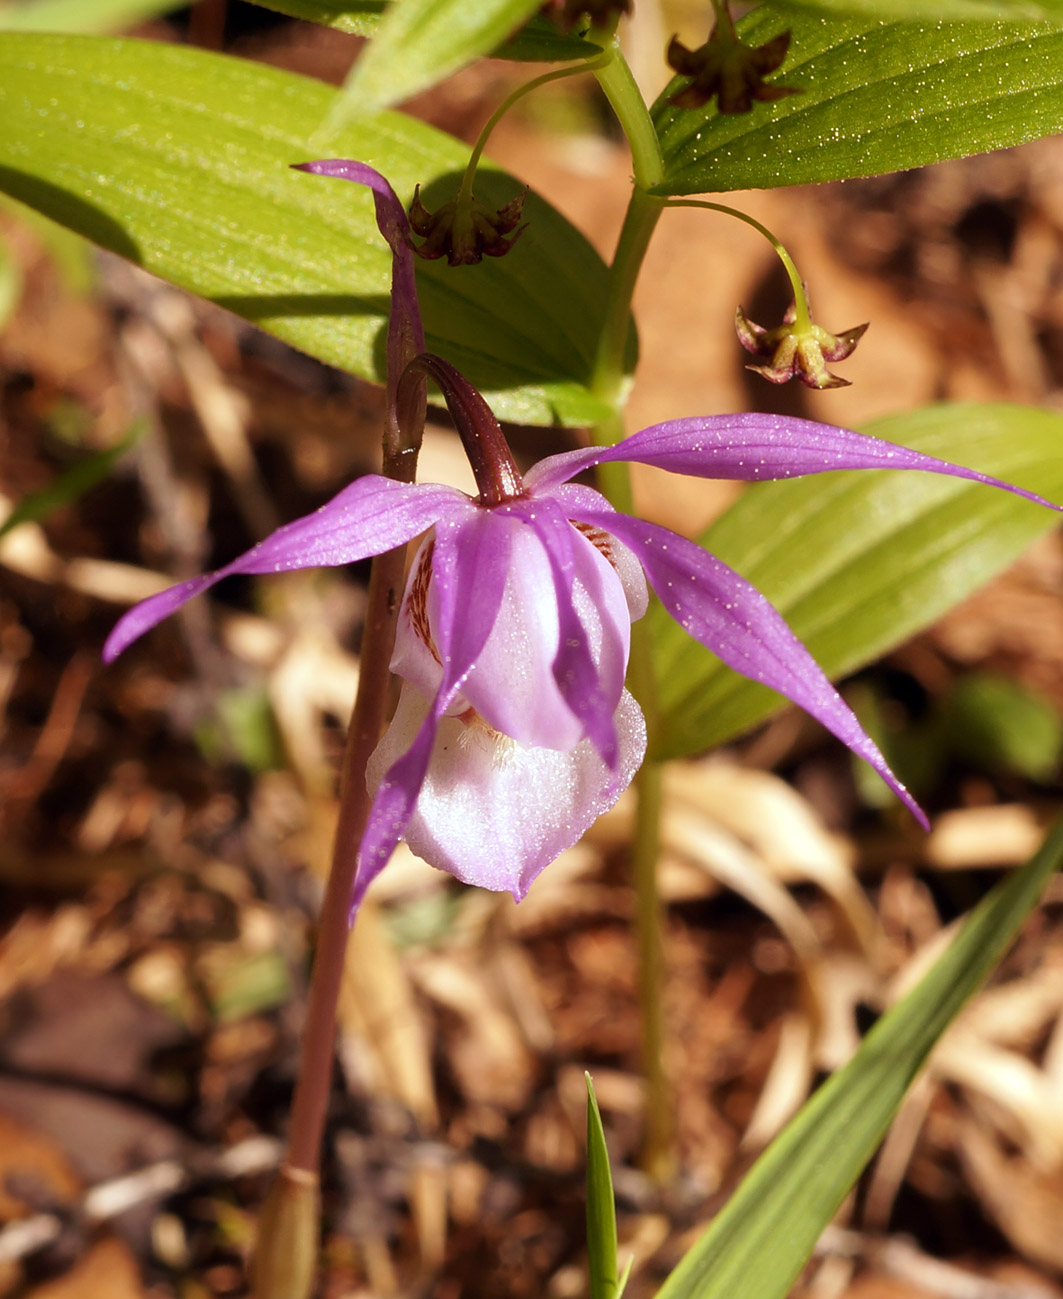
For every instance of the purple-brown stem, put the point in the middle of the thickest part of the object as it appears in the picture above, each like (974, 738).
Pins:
(493, 466)
(288, 1235)
(367, 722)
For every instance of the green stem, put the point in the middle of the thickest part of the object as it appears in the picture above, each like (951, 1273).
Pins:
(588, 65)
(725, 27)
(608, 382)
(803, 318)
(608, 379)
(643, 213)
(658, 1151)
(625, 99)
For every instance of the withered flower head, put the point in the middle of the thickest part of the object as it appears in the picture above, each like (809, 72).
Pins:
(466, 230)
(726, 69)
(794, 351)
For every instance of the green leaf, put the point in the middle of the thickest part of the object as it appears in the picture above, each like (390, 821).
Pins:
(70, 485)
(859, 561)
(876, 97)
(242, 726)
(358, 17)
(929, 11)
(79, 15)
(601, 1207)
(180, 160)
(758, 1244)
(418, 43)
(538, 41)
(238, 983)
(1000, 725)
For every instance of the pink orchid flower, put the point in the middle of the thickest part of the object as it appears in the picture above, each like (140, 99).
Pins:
(513, 730)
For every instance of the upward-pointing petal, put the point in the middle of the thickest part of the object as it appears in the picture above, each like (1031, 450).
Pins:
(370, 516)
(732, 618)
(752, 447)
(405, 330)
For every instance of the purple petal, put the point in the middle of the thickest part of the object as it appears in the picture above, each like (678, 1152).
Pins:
(740, 626)
(512, 685)
(575, 500)
(470, 563)
(370, 516)
(578, 676)
(493, 813)
(405, 330)
(753, 447)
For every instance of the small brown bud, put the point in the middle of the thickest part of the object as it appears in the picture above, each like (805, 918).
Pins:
(466, 230)
(727, 70)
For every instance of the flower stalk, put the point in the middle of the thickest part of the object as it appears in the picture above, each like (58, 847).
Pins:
(798, 348)
(286, 1253)
(608, 383)
(802, 315)
(493, 466)
(289, 1227)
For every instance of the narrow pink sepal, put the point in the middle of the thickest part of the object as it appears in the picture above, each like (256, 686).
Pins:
(739, 625)
(752, 447)
(371, 515)
(405, 328)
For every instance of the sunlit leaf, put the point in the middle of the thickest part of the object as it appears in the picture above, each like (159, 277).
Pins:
(927, 11)
(418, 43)
(79, 15)
(876, 97)
(538, 41)
(180, 160)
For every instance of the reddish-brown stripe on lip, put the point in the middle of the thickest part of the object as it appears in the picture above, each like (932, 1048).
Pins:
(417, 605)
(598, 537)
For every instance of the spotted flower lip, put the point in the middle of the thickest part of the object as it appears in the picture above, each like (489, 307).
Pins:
(514, 731)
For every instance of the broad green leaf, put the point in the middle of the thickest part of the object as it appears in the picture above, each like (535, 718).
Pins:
(859, 561)
(762, 1238)
(418, 43)
(179, 160)
(70, 485)
(601, 1207)
(79, 15)
(538, 41)
(929, 11)
(876, 97)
